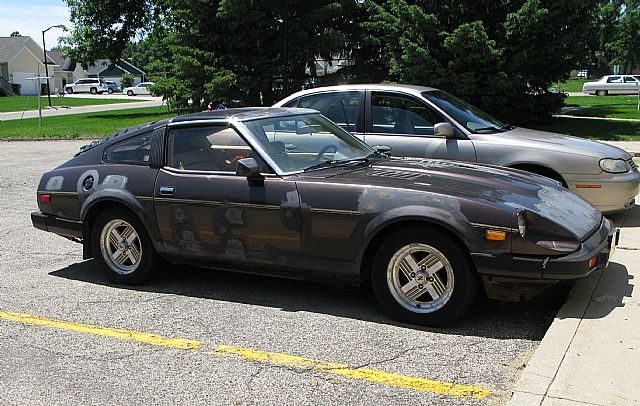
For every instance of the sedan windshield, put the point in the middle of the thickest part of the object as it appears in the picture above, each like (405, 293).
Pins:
(306, 142)
(467, 115)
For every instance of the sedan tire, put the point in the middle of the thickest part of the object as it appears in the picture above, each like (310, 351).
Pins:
(110, 91)
(123, 249)
(69, 90)
(422, 276)
(129, 93)
(601, 93)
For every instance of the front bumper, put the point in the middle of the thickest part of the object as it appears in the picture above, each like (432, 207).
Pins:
(611, 195)
(57, 225)
(525, 274)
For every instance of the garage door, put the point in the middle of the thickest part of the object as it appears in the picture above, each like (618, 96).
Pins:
(28, 87)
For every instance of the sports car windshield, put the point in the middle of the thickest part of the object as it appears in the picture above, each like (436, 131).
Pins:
(307, 142)
(471, 117)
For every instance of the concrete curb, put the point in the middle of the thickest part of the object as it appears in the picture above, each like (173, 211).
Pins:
(541, 370)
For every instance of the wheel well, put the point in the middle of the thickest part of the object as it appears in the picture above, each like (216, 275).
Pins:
(373, 246)
(541, 170)
(90, 218)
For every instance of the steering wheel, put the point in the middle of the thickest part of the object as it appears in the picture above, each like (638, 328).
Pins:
(324, 150)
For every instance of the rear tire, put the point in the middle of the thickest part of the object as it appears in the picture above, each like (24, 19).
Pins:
(422, 276)
(601, 93)
(110, 91)
(123, 248)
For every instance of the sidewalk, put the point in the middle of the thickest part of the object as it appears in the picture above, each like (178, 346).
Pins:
(15, 115)
(591, 353)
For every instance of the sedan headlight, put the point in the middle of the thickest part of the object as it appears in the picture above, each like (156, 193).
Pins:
(613, 165)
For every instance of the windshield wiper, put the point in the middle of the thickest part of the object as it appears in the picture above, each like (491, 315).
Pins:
(339, 162)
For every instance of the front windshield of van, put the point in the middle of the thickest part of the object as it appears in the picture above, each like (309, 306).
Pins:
(467, 115)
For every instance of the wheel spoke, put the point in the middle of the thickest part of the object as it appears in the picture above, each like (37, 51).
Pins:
(436, 288)
(412, 290)
(405, 267)
(134, 254)
(120, 257)
(411, 262)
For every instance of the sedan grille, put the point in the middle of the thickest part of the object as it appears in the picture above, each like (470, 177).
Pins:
(396, 174)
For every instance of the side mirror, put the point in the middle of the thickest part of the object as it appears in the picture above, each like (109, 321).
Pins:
(248, 167)
(444, 130)
(383, 149)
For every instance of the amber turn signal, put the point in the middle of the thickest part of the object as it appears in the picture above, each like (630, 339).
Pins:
(496, 235)
(593, 262)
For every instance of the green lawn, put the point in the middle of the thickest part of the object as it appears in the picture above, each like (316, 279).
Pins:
(81, 125)
(605, 106)
(18, 103)
(593, 129)
(573, 85)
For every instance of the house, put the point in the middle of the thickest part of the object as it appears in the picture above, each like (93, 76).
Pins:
(104, 69)
(64, 70)
(21, 58)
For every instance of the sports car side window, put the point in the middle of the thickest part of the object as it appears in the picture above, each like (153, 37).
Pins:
(132, 151)
(395, 114)
(214, 148)
(339, 107)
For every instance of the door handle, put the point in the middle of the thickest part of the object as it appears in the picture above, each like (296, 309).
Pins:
(167, 191)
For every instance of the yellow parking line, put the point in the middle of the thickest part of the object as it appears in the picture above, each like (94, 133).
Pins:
(292, 361)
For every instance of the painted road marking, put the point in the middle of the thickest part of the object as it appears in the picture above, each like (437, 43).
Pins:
(292, 361)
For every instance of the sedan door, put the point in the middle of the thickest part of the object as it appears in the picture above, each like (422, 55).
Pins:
(207, 212)
(405, 123)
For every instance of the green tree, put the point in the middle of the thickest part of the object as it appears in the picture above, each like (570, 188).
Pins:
(502, 56)
(623, 42)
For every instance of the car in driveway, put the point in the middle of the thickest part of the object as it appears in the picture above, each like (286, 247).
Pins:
(112, 86)
(140, 88)
(87, 85)
(613, 84)
(424, 122)
(286, 192)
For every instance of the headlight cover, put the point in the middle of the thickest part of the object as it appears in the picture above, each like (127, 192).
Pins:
(613, 165)
(541, 236)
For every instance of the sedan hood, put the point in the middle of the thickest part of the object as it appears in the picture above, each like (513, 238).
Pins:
(512, 189)
(558, 142)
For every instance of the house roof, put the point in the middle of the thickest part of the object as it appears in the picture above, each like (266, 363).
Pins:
(58, 59)
(101, 65)
(10, 46)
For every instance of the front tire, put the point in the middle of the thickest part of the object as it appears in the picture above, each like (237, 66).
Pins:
(69, 90)
(123, 248)
(129, 93)
(422, 276)
(93, 90)
(110, 91)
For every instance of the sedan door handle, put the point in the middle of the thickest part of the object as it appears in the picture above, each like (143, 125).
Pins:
(167, 191)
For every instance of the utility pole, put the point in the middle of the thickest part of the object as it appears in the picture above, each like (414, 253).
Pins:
(285, 79)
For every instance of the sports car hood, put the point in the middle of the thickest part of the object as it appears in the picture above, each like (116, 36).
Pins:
(511, 189)
(527, 138)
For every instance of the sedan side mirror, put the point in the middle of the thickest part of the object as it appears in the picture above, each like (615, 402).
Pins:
(444, 130)
(383, 149)
(249, 168)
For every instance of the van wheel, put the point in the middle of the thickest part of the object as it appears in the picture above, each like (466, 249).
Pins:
(93, 90)
(422, 276)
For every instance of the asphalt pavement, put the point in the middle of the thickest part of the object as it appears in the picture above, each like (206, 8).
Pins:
(196, 336)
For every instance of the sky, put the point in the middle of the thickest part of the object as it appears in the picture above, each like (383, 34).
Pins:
(30, 17)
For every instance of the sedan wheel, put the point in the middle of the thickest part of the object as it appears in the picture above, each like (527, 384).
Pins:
(601, 93)
(123, 248)
(422, 276)
(129, 93)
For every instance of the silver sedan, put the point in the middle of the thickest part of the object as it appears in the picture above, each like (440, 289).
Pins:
(613, 84)
(426, 122)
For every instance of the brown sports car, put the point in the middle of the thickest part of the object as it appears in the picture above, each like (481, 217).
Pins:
(287, 192)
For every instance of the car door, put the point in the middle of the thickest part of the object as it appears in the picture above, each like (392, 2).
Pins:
(631, 85)
(207, 212)
(342, 107)
(405, 123)
(143, 88)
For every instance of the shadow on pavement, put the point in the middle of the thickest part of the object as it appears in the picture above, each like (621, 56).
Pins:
(486, 318)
